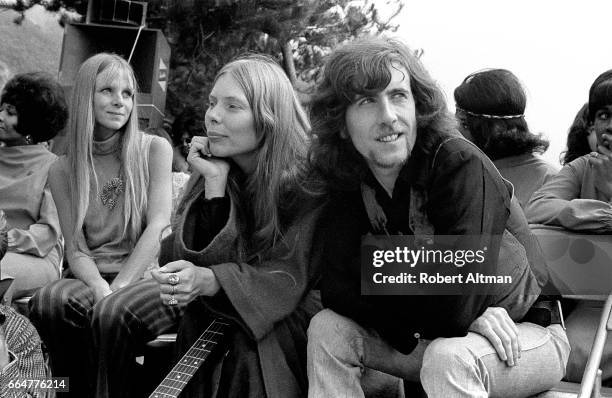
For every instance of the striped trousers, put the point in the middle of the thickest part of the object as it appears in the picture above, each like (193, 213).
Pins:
(96, 345)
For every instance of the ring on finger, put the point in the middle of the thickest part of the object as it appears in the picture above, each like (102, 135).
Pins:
(173, 279)
(172, 300)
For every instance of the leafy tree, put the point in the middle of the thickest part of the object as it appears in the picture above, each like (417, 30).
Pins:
(206, 34)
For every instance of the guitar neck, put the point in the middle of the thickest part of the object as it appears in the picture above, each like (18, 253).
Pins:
(186, 367)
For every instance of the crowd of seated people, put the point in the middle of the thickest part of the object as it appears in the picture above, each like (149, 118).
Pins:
(266, 232)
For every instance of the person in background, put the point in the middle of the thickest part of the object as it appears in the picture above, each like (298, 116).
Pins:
(581, 137)
(32, 110)
(490, 107)
(579, 199)
(188, 124)
(113, 190)
(179, 178)
(21, 356)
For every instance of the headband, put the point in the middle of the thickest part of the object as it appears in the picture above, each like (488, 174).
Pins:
(486, 116)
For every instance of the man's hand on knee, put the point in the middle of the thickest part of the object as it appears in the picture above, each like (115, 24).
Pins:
(496, 326)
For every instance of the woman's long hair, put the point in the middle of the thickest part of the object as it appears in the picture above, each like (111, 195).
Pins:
(282, 129)
(577, 137)
(493, 102)
(134, 159)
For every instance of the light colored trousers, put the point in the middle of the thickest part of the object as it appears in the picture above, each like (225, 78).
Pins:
(342, 356)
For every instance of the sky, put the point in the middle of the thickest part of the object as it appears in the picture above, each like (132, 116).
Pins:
(556, 48)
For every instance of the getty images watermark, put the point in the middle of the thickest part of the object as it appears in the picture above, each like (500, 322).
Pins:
(451, 265)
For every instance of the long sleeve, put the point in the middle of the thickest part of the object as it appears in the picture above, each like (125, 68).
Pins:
(267, 290)
(571, 200)
(41, 237)
(467, 198)
(339, 240)
(256, 291)
(213, 216)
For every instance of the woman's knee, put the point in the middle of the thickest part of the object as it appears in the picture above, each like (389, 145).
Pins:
(50, 303)
(110, 312)
(125, 309)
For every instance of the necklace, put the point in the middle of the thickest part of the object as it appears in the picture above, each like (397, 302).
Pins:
(111, 191)
(113, 188)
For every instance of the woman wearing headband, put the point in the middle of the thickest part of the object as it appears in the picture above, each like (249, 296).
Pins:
(490, 108)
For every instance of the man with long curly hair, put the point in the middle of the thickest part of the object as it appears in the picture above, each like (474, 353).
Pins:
(394, 164)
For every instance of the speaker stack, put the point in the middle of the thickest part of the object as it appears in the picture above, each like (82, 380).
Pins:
(118, 26)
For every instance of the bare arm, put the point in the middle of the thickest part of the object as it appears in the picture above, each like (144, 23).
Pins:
(158, 214)
(81, 264)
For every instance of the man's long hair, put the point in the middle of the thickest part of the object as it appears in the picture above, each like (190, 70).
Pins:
(363, 67)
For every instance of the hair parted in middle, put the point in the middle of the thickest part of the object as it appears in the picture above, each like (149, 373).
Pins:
(274, 189)
(134, 159)
(600, 94)
(494, 102)
(363, 67)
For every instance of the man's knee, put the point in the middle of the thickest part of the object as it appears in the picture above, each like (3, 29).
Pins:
(444, 356)
(332, 333)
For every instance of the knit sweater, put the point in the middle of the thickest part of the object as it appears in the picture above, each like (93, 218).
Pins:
(571, 200)
(527, 173)
(27, 202)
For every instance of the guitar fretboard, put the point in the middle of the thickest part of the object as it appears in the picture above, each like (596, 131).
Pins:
(184, 370)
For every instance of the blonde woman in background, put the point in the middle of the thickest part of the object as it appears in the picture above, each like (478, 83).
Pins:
(113, 190)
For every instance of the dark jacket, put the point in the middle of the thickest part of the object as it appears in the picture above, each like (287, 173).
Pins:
(464, 195)
(268, 297)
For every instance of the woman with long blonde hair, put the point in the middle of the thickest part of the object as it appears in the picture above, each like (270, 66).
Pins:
(112, 191)
(241, 246)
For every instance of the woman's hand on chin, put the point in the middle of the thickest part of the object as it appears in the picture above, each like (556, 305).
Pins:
(214, 170)
(202, 160)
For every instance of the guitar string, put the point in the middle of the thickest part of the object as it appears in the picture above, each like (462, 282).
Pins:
(208, 334)
(216, 326)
